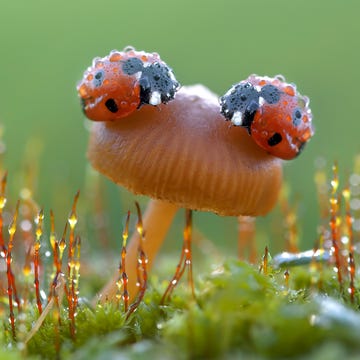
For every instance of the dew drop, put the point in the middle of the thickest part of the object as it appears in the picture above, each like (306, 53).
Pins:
(280, 77)
(128, 48)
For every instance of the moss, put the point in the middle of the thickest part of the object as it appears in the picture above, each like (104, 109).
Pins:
(238, 312)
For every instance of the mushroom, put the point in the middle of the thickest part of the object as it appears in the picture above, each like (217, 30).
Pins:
(183, 154)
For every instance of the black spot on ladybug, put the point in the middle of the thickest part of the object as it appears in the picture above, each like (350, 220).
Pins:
(111, 105)
(99, 78)
(157, 77)
(242, 98)
(275, 139)
(132, 66)
(296, 117)
(270, 93)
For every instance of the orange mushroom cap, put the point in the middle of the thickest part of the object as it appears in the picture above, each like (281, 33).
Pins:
(183, 152)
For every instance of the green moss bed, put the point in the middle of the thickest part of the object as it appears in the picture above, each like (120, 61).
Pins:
(238, 312)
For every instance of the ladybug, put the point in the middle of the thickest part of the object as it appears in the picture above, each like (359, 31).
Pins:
(275, 115)
(118, 84)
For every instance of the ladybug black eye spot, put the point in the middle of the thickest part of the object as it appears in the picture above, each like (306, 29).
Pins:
(275, 139)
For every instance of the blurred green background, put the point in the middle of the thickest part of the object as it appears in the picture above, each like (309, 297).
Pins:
(46, 46)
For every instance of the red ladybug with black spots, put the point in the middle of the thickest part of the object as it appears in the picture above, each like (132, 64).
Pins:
(118, 84)
(274, 113)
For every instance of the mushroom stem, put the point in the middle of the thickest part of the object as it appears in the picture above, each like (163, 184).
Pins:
(157, 220)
